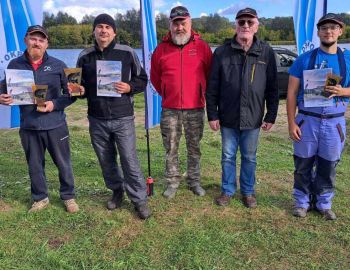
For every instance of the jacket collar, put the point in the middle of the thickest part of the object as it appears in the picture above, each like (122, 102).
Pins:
(254, 49)
(107, 49)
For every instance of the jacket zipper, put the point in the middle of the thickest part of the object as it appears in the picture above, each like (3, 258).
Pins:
(181, 77)
(107, 100)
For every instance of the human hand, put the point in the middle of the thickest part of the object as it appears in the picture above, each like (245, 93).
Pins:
(46, 107)
(6, 99)
(122, 87)
(335, 91)
(76, 89)
(294, 132)
(214, 125)
(266, 126)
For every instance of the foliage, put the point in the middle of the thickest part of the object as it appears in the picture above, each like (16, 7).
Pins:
(213, 28)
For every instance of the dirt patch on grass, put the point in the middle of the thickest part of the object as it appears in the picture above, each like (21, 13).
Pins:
(4, 207)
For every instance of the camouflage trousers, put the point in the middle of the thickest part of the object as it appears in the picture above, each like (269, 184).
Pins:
(171, 125)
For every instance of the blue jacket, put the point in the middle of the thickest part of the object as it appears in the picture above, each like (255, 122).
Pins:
(49, 73)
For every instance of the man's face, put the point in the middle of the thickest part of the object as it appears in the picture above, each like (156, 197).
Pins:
(246, 27)
(104, 34)
(329, 33)
(181, 30)
(36, 44)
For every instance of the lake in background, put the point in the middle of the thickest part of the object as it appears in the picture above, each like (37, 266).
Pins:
(70, 56)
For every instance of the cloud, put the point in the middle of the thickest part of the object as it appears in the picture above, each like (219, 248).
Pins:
(231, 10)
(78, 8)
(203, 14)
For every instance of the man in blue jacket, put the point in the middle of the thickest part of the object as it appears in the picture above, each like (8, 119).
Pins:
(318, 131)
(45, 129)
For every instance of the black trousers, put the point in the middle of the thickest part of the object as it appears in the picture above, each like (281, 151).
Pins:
(56, 141)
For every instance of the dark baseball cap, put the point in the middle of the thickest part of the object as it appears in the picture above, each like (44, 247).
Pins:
(330, 17)
(247, 12)
(179, 12)
(37, 29)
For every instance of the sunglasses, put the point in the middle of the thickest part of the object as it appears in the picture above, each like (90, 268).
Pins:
(241, 23)
(177, 13)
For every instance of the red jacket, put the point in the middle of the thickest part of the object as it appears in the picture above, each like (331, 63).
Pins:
(179, 73)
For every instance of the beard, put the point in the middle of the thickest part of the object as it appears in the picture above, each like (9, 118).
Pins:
(328, 44)
(181, 39)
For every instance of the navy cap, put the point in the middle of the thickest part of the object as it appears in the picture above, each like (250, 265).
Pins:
(179, 12)
(247, 12)
(37, 29)
(330, 17)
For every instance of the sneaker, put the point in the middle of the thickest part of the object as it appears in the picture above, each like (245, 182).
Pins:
(299, 212)
(328, 214)
(116, 200)
(39, 205)
(249, 201)
(71, 206)
(223, 200)
(170, 192)
(198, 190)
(143, 211)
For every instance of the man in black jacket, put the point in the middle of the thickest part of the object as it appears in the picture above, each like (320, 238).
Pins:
(45, 128)
(243, 79)
(111, 118)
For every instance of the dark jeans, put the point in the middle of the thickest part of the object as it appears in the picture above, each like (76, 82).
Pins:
(110, 138)
(56, 141)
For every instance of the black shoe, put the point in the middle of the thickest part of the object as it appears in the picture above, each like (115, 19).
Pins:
(143, 211)
(116, 200)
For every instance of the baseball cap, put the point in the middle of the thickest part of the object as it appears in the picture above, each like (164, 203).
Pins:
(37, 28)
(247, 12)
(179, 12)
(330, 17)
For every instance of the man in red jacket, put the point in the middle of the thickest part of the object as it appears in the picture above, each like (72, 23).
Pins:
(179, 70)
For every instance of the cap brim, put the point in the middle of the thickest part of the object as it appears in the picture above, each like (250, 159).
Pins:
(332, 21)
(246, 14)
(179, 17)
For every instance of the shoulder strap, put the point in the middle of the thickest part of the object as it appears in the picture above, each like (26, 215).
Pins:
(342, 66)
(313, 59)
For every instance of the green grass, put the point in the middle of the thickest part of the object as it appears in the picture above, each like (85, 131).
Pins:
(187, 232)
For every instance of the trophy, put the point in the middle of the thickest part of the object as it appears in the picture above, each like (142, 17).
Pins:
(332, 80)
(74, 80)
(39, 93)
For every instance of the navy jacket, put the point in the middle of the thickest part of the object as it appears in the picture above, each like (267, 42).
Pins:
(49, 73)
(241, 84)
(132, 73)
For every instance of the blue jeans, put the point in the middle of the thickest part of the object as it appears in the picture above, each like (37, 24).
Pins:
(247, 141)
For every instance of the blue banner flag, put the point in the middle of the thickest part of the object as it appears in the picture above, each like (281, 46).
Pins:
(306, 15)
(149, 38)
(15, 17)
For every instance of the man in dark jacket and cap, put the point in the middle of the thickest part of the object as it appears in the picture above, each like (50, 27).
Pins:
(243, 80)
(111, 118)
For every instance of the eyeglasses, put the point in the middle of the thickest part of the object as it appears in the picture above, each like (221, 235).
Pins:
(241, 23)
(333, 28)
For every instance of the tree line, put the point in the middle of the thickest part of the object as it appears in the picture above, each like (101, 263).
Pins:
(66, 32)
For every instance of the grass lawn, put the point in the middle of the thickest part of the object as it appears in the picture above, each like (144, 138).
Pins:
(187, 232)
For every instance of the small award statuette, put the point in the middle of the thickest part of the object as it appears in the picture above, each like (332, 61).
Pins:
(74, 80)
(332, 80)
(39, 93)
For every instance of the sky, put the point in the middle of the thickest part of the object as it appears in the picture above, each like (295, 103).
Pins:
(197, 8)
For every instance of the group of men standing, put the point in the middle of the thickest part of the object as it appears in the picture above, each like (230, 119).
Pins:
(234, 85)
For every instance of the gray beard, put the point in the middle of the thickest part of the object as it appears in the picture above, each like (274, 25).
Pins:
(181, 40)
(328, 44)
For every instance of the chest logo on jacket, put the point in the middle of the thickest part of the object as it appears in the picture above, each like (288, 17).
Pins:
(47, 68)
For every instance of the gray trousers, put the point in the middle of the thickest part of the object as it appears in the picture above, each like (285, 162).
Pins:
(110, 138)
(171, 125)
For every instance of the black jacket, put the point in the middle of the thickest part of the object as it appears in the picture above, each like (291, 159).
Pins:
(132, 73)
(240, 83)
(50, 73)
